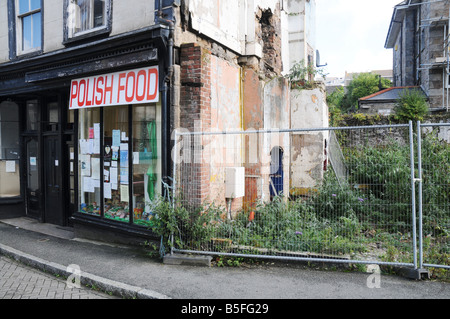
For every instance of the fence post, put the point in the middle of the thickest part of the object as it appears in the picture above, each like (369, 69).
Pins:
(174, 183)
(413, 193)
(419, 164)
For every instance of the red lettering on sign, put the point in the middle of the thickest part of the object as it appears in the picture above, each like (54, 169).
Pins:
(152, 78)
(121, 87)
(99, 91)
(130, 99)
(81, 102)
(133, 86)
(73, 94)
(88, 102)
(109, 89)
(141, 75)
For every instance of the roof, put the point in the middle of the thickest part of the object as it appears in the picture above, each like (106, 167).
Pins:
(395, 25)
(390, 94)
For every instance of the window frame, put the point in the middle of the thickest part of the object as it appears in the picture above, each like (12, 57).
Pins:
(17, 159)
(135, 217)
(104, 30)
(19, 34)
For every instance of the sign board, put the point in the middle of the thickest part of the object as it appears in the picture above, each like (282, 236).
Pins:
(136, 86)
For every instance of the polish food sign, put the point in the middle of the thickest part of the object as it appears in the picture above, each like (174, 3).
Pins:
(121, 88)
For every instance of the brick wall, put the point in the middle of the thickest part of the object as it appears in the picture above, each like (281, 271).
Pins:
(195, 115)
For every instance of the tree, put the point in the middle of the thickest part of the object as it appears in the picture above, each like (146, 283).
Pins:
(363, 85)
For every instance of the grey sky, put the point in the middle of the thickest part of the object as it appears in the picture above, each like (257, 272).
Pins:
(351, 35)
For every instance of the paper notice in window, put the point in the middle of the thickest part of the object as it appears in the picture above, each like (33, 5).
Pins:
(10, 166)
(107, 190)
(113, 177)
(124, 196)
(88, 185)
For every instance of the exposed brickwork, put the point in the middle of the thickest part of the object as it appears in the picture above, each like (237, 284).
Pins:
(269, 32)
(195, 115)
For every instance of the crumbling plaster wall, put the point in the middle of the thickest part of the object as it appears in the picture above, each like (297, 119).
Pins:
(308, 148)
(245, 91)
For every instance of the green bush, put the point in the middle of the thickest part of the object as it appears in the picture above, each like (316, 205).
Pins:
(412, 106)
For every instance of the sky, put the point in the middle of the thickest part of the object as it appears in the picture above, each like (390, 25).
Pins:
(351, 35)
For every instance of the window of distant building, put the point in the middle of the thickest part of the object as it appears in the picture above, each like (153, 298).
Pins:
(85, 18)
(29, 26)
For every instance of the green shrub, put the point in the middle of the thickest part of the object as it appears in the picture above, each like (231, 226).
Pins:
(412, 106)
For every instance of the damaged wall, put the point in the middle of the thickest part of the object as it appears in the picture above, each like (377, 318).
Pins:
(308, 149)
(231, 79)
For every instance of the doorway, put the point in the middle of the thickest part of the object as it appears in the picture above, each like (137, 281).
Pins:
(53, 213)
(276, 172)
(33, 189)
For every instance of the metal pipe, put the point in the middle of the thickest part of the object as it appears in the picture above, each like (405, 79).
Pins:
(413, 193)
(311, 259)
(166, 94)
(294, 130)
(419, 165)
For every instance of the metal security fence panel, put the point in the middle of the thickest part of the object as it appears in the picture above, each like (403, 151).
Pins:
(434, 194)
(325, 194)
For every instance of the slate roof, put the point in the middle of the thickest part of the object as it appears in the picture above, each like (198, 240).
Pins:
(390, 94)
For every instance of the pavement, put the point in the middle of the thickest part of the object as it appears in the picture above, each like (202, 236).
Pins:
(34, 249)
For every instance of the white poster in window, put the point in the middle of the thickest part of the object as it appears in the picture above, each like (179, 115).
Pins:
(116, 138)
(136, 158)
(10, 166)
(88, 185)
(85, 164)
(113, 175)
(124, 177)
(84, 147)
(124, 196)
(107, 190)
(96, 131)
(96, 147)
(91, 146)
(95, 168)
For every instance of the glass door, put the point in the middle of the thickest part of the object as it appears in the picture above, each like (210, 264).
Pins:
(33, 191)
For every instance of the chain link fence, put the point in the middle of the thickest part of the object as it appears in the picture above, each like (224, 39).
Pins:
(327, 194)
(434, 194)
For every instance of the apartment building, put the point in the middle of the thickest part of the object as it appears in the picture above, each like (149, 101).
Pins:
(419, 38)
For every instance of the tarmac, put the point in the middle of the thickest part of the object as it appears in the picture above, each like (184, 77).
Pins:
(126, 272)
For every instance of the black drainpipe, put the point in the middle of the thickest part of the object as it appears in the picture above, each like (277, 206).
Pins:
(165, 103)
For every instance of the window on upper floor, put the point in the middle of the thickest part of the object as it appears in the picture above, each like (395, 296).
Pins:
(87, 17)
(29, 26)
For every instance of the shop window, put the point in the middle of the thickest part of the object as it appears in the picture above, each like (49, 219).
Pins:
(85, 17)
(29, 26)
(127, 164)
(146, 163)
(9, 150)
(89, 161)
(117, 164)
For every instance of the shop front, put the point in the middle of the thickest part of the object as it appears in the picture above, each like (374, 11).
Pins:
(84, 134)
(119, 147)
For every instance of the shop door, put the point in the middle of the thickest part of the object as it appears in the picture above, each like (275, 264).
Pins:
(52, 181)
(33, 190)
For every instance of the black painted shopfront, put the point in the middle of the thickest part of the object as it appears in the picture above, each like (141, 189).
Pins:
(95, 166)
